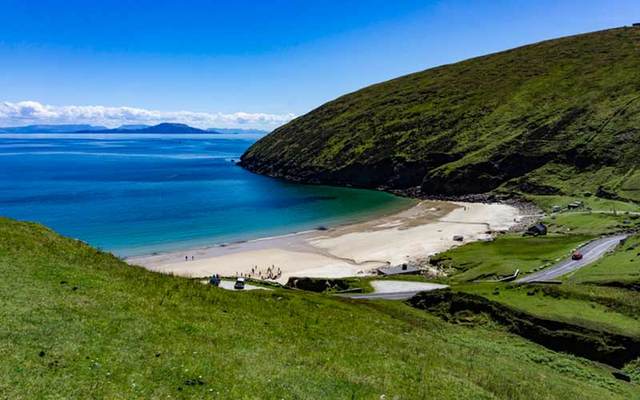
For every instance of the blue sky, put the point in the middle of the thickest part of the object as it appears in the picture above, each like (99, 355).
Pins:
(249, 63)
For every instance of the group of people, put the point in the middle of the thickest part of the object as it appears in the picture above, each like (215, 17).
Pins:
(215, 280)
(271, 273)
(186, 258)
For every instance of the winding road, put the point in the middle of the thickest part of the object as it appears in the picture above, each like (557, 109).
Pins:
(403, 290)
(591, 252)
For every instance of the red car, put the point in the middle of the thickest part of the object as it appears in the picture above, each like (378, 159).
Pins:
(576, 256)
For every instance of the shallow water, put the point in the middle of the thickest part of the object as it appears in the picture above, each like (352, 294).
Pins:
(138, 194)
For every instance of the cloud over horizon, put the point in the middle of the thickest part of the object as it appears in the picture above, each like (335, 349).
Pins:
(33, 112)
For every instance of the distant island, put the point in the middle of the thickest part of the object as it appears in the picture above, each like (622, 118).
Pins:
(235, 131)
(51, 128)
(165, 127)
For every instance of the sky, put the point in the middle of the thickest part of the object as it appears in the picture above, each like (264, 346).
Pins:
(253, 64)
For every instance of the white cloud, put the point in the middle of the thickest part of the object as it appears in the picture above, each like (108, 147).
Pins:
(33, 112)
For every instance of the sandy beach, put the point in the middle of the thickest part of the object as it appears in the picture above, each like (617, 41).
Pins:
(351, 250)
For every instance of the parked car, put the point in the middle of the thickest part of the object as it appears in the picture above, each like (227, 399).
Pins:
(239, 284)
(576, 256)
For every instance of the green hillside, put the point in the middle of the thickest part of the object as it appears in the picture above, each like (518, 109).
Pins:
(557, 117)
(79, 323)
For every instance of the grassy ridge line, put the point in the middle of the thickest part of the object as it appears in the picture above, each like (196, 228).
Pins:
(559, 116)
(595, 344)
(599, 309)
(79, 323)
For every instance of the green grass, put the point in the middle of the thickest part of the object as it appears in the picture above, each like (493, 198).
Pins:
(594, 224)
(596, 217)
(556, 117)
(591, 202)
(78, 323)
(623, 301)
(567, 231)
(621, 266)
(605, 309)
(630, 186)
(506, 254)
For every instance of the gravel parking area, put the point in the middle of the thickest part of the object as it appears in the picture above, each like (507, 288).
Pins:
(404, 286)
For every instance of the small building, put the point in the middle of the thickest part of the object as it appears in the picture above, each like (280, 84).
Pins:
(574, 205)
(403, 269)
(538, 229)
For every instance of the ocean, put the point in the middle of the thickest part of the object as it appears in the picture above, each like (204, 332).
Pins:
(143, 194)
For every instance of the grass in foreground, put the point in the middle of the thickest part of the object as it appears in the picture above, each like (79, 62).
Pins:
(78, 323)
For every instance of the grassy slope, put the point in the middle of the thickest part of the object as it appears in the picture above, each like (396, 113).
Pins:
(621, 266)
(567, 230)
(560, 115)
(597, 308)
(590, 223)
(481, 260)
(77, 323)
(577, 301)
(595, 204)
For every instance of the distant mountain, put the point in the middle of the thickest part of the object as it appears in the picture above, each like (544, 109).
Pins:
(133, 126)
(52, 128)
(237, 130)
(165, 127)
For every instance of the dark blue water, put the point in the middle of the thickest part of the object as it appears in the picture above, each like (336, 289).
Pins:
(147, 193)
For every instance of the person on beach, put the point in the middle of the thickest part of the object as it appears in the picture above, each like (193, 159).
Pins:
(186, 258)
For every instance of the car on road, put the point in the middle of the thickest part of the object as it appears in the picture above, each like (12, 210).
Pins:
(576, 256)
(239, 285)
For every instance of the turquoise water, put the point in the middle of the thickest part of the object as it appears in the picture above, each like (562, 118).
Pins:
(141, 194)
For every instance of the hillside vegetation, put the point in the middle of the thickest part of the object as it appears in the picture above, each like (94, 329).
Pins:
(79, 323)
(557, 117)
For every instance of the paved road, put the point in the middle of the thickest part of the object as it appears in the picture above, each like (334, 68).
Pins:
(590, 252)
(226, 284)
(396, 290)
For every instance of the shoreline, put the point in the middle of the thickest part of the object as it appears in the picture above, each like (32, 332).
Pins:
(250, 238)
(352, 249)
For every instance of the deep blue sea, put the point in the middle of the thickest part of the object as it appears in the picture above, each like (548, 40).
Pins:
(139, 194)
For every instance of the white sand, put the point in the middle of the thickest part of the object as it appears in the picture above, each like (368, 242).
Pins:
(416, 233)
(397, 245)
